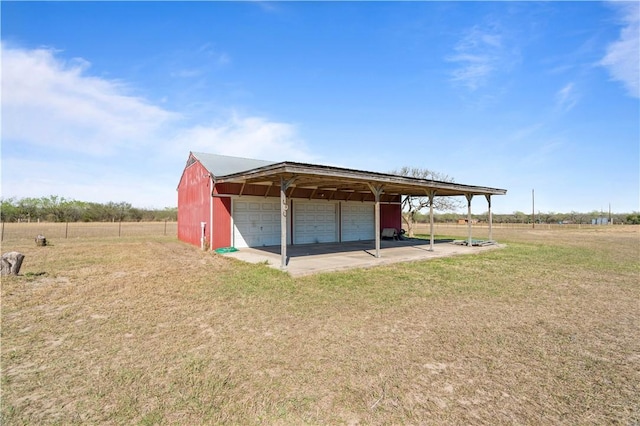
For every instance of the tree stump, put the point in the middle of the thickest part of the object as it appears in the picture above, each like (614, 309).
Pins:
(41, 241)
(11, 263)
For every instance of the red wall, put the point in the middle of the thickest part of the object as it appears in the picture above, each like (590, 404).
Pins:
(390, 216)
(194, 204)
(222, 221)
(194, 194)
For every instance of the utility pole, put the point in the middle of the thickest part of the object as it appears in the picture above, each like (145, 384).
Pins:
(533, 209)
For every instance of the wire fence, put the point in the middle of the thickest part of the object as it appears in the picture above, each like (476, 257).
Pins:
(12, 231)
(480, 225)
(462, 229)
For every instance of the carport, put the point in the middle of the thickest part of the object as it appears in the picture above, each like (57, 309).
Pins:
(301, 180)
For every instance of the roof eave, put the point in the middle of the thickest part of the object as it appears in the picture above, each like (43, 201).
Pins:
(411, 186)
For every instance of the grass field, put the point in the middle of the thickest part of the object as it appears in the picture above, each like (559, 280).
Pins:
(16, 231)
(148, 330)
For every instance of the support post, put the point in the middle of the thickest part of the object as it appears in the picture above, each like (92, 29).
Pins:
(211, 227)
(377, 191)
(533, 209)
(488, 197)
(469, 197)
(284, 185)
(431, 194)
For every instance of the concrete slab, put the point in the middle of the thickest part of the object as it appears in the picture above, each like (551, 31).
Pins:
(309, 259)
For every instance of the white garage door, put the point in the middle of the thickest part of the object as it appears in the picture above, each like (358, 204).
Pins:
(358, 221)
(315, 222)
(256, 223)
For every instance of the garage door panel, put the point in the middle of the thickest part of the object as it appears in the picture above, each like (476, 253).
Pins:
(358, 222)
(255, 223)
(315, 222)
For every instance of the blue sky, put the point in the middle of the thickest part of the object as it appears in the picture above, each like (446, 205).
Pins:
(102, 101)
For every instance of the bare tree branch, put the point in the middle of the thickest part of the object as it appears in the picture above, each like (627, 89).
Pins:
(412, 205)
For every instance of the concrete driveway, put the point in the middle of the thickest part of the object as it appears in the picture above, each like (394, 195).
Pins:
(309, 259)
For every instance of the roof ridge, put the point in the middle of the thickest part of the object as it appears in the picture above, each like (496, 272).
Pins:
(196, 153)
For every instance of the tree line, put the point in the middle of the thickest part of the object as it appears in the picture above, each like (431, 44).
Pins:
(414, 208)
(540, 217)
(59, 209)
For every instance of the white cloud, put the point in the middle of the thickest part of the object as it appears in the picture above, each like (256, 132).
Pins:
(54, 103)
(68, 133)
(478, 54)
(567, 97)
(199, 62)
(623, 56)
(252, 137)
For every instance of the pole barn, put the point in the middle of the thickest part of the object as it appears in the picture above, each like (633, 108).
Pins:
(230, 201)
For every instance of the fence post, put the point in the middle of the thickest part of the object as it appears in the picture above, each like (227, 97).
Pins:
(2, 236)
(165, 227)
(119, 228)
(66, 230)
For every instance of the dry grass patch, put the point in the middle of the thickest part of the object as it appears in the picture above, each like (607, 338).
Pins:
(152, 331)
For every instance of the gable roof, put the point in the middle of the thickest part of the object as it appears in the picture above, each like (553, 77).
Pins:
(223, 165)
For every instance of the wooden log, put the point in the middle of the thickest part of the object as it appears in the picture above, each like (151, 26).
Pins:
(10, 263)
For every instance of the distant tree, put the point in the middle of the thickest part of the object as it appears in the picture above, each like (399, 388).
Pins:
(59, 209)
(412, 206)
(168, 213)
(9, 212)
(579, 218)
(117, 212)
(519, 217)
(542, 217)
(29, 209)
(633, 219)
(135, 215)
(448, 217)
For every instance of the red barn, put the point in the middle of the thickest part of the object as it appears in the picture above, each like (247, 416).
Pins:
(229, 201)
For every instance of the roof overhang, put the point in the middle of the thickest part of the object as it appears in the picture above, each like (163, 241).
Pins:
(331, 178)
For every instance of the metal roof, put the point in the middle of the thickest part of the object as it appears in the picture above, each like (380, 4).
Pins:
(227, 169)
(222, 165)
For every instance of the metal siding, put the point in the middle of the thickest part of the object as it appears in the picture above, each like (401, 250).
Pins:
(221, 222)
(193, 204)
(390, 216)
(228, 188)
